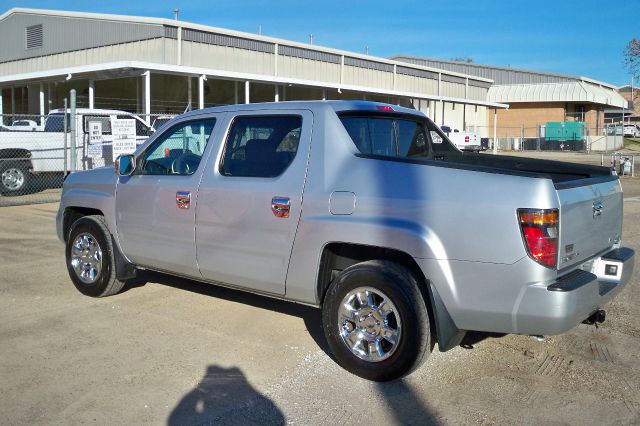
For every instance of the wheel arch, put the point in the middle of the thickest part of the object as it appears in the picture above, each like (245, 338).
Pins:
(337, 256)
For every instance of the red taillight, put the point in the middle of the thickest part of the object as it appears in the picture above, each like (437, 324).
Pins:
(466, 139)
(540, 233)
(386, 108)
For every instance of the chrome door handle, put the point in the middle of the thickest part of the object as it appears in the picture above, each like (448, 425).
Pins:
(280, 206)
(183, 199)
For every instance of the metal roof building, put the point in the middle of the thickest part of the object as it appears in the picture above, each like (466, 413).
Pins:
(154, 65)
(537, 97)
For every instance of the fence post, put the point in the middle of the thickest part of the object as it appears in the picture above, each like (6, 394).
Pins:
(73, 142)
(64, 135)
(495, 131)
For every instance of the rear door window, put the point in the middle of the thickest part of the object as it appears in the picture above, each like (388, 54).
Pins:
(261, 146)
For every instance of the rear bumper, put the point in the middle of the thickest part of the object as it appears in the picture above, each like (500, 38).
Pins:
(553, 309)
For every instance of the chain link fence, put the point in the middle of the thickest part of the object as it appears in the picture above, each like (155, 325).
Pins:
(38, 152)
(567, 136)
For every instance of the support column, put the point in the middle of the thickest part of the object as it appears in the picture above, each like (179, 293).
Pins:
(235, 92)
(247, 97)
(189, 94)
(92, 87)
(495, 131)
(1, 108)
(147, 97)
(49, 102)
(324, 94)
(277, 93)
(475, 119)
(42, 105)
(13, 100)
(201, 81)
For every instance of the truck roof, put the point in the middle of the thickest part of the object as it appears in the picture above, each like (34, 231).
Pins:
(338, 106)
(92, 111)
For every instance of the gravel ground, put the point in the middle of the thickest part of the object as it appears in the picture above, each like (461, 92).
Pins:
(173, 351)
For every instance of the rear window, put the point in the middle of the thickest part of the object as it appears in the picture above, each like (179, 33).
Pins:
(387, 136)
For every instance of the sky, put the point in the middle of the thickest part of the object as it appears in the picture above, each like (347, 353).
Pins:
(583, 38)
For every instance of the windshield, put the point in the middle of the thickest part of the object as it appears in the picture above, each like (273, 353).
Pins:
(55, 123)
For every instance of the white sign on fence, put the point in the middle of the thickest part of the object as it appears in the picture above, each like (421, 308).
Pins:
(94, 149)
(124, 136)
(95, 132)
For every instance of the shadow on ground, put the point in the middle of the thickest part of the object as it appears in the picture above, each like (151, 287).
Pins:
(311, 316)
(405, 405)
(224, 396)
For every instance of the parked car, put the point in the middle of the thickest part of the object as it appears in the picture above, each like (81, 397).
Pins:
(24, 125)
(628, 130)
(631, 130)
(26, 156)
(353, 207)
(464, 141)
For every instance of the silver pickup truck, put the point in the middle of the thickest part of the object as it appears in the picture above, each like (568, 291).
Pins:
(362, 209)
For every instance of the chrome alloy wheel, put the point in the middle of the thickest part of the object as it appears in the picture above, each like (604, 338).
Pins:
(13, 178)
(369, 324)
(86, 258)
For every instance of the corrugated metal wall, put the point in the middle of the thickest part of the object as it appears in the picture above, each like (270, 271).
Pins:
(367, 77)
(499, 75)
(227, 58)
(64, 34)
(454, 90)
(308, 69)
(146, 50)
(408, 83)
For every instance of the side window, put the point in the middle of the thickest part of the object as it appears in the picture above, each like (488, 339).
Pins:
(387, 136)
(371, 135)
(178, 151)
(412, 141)
(440, 143)
(262, 146)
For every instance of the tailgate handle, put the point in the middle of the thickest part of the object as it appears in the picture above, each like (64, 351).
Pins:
(280, 206)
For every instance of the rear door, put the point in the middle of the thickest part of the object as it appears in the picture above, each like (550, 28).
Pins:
(590, 220)
(250, 199)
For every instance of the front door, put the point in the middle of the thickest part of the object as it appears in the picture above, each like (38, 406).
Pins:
(250, 200)
(156, 205)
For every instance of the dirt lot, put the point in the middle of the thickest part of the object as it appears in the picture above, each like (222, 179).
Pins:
(173, 351)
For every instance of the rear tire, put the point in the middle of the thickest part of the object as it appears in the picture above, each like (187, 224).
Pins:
(90, 258)
(377, 340)
(14, 177)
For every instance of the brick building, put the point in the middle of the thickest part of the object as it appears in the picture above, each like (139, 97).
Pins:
(536, 98)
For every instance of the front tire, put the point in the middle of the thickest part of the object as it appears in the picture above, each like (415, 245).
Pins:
(90, 258)
(14, 177)
(376, 321)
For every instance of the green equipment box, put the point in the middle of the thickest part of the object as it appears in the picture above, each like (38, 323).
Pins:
(564, 131)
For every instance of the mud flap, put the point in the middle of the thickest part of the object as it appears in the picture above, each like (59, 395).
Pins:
(449, 336)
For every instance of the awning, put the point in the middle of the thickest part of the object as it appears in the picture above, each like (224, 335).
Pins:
(571, 91)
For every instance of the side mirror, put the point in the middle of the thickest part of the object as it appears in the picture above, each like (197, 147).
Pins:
(125, 165)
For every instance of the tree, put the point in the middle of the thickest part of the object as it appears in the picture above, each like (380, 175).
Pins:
(632, 57)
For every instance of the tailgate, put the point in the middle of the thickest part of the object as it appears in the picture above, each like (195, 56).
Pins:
(590, 220)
